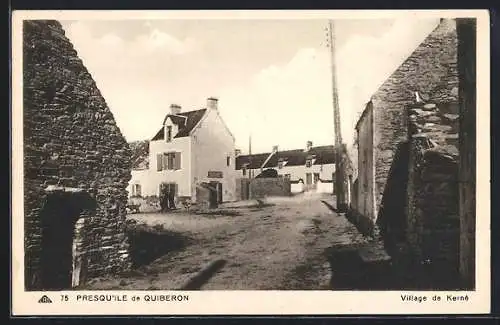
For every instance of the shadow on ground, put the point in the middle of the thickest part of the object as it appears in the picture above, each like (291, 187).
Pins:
(147, 243)
(331, 207)
(201, 278)
(350, 272)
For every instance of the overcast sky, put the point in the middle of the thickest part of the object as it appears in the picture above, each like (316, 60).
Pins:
(272, 78)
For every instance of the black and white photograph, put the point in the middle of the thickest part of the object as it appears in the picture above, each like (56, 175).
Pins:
(250, 153)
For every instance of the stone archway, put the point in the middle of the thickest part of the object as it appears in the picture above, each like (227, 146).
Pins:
(59, 216)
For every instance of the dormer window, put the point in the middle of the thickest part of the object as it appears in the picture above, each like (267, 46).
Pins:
(281, 163)
(168, 133)
(310, 161)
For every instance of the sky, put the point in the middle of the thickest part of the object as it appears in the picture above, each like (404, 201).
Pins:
(272, 77)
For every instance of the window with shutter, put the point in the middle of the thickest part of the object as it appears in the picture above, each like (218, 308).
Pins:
(165, 162)
(137, 190)
(159, 162)
(170, 160)
(168, 135)
(177, 160)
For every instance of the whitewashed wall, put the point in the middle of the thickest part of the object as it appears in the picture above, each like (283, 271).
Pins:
(211, 144)
(326, 187)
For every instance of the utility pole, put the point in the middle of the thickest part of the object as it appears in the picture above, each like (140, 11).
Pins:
(340, 170)
(250, 155)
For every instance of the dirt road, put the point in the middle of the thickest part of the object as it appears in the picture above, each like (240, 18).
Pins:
(276, 245)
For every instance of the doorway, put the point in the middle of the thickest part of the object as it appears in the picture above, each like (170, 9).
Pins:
(218, 187)
(58, 218)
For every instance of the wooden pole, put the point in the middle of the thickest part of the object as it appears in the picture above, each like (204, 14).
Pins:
(250, 155)
(340, 179)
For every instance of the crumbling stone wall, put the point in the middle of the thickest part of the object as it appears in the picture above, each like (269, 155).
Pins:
(433, 220)
(431, 70)
(71, 145)
(262, 187)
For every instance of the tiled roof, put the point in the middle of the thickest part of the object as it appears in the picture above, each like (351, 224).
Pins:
(323, 154)
(185, 124)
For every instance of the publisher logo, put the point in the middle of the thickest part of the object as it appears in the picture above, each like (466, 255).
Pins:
(44, 300)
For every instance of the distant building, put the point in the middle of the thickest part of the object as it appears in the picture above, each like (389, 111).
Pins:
(190, 148)
(314, 167)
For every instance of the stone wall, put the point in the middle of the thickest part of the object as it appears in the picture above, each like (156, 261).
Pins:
(392, 216)
(242, 189)
(433, 222)
(71, 145)
(431, 70)
(466, 29)
(263, 187)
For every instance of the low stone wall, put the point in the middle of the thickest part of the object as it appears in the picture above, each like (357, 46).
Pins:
(263, 187)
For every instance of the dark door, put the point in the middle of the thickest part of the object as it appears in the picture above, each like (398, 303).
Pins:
(213, 196)
(56, 260)
(308, 179)
(219, 192)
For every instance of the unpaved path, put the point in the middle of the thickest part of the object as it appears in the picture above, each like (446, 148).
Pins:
(278, 246)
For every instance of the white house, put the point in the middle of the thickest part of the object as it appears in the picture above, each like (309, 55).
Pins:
(189, 148)
(314, 167)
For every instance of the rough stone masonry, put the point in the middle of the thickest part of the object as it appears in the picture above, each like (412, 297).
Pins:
(430, 71)
(76, 167)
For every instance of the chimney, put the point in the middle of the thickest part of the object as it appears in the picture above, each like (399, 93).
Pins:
(237, 152)
(175, 109)
(309, 145)
(212, 103)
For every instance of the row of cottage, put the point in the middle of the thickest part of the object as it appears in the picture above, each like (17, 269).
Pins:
(196, 147)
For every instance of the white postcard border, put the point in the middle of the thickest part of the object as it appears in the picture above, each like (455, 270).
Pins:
(256, 302)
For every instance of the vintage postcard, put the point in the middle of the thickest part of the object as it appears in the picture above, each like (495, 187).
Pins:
(250, 162)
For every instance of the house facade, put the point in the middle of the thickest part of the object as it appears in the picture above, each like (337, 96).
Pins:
(314, 167)
(190, 148)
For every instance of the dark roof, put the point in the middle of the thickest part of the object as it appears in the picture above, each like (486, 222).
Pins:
(297, 157)
(185, 125)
